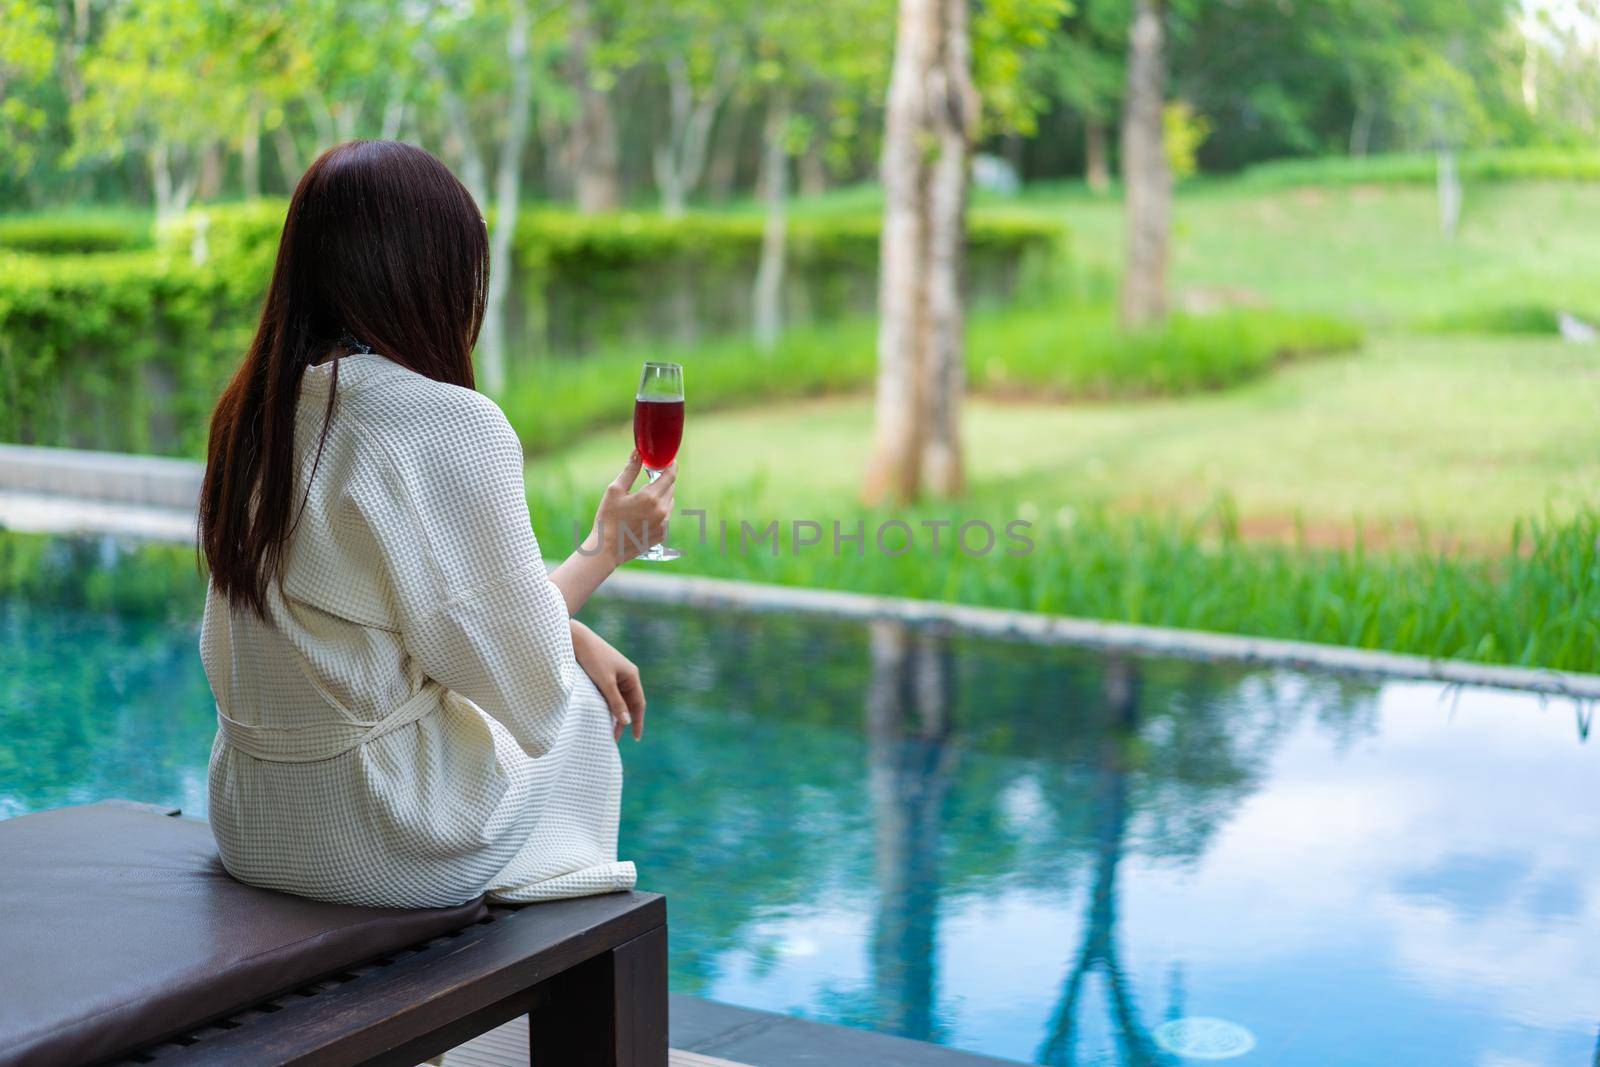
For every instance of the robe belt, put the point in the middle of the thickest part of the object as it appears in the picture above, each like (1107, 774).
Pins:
(325, 740)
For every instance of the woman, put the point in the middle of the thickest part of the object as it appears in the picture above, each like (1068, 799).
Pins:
(408, 714)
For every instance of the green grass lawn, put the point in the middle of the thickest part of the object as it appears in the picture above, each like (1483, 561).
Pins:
(1436, 491)
(1452, 437)
(1375, 253)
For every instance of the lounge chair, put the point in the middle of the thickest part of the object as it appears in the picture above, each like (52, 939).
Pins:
(124, 941)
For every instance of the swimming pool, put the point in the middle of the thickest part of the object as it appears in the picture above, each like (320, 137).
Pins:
(1039, 853)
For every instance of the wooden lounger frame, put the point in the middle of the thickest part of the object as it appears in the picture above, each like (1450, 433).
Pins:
(590, 973)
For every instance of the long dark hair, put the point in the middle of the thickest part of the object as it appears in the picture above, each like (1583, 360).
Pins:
(382, 246)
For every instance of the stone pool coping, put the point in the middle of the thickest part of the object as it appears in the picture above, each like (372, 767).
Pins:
(1037, 628)
(54, 490)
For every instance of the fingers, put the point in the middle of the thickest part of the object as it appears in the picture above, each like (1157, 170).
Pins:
(664, 483)
(620, 718)
(630, 472)
(633, 692)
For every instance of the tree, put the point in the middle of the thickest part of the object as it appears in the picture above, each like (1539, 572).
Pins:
(1146, 176)
(596, 179)
(695, 50)
(812, 65)
(486, 99)
(931, 122)
(933, 117)
(1084, 67)
(27, 56)
(157, 85)
(767, 296)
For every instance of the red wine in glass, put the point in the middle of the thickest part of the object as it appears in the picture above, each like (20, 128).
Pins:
(657, 431)
(658, 428)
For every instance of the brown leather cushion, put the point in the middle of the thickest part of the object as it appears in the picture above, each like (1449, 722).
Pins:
(119, 927)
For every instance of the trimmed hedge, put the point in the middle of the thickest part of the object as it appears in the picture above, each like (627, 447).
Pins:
(121, 351)
(590, 281)
(1492, 165)
(1525, 319)
(85, 232)
(128, 350)
(1044, 351)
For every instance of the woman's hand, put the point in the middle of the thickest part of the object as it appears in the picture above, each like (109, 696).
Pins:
(615, 676)
(627, 523)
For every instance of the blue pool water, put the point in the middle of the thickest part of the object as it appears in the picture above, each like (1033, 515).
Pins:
(1038, 853)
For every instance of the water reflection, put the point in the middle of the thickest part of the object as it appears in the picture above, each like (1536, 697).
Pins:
(910, 710)
(1038, 853)
(1057, 852)
(1118, 732)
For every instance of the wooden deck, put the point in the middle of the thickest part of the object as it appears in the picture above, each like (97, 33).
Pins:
(508, 1047)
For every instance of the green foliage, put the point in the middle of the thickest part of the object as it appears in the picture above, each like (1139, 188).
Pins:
(1043, 351)
(1078, 353)
(588, 281)
(158, 83)
(1529, 319)
(1531, 606)
(1183, 131)
(554, 401)
(559, 246)
(86, 231)
(1007, 35)
(129, 350)
(27, 56)
(1083, 62)
(130, 579)
(644, 277)
(121, 351)
(1497, 165)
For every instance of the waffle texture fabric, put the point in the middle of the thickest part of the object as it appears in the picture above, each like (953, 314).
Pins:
(408, 727)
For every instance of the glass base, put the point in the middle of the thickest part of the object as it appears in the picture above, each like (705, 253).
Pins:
(660, 554)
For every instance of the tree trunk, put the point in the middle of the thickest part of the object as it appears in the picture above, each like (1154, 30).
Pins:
(813, 169)
(722, 172)
(210, 182)
(680, 159)
(1146, 176)
(1448, 183)
(250, 154)
(288, 154)
(459, 141)
(767, 299)
(74, 25)
(172, 193)
(1361, 128)
(1096, 161)
(161, 181)
(669, 185)
(321, 118)
(555, 153)
(394, 114)
(931, 121)
(508, 170)
(595, 178)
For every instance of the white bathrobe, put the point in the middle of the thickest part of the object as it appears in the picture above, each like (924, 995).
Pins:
(410, 728)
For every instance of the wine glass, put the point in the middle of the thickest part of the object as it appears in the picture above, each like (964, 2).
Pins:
(658, 428)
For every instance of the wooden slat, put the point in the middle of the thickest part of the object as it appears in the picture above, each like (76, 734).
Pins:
(507, 1046)
(679, 1058)
(468, 983)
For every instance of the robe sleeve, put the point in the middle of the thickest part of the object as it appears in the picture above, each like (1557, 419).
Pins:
(493, 628)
